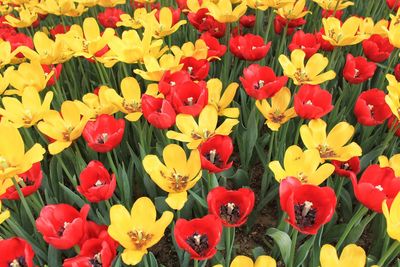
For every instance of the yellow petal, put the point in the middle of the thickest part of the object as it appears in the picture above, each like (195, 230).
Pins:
(340, 135)
(228, 95)
(133, 257)
(277, 169)
(242, 261)
(226, 127)
(176, 200)
(353, 255)
(120, 225)
(265, 261)
(91, 29)
(58, 146)
(159, 227)
(281, 100)
(328, 256)
(70, 113)
(175, 158)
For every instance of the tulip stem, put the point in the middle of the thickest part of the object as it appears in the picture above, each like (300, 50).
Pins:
(389, 252)
(113, 168)
(195, 263)
(357, 217)
(229, 240)
(296, 139)
(293, 247)
(24, 203)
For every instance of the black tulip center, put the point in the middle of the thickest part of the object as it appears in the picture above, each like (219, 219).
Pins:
(230, 213)
(305, 214)
(198, 243)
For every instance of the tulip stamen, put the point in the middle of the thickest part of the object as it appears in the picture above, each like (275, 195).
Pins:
(277, 116)
(189, 101)
(96, 260)
(379, 187)
(230, 213)
(139, 238)
(18, 262)
(98, 183)
(259, 84)
(326, 152)
(190, 70)
(309, 102)
(3, 163)
(346, 166)
(60, 232)
(214, 157)
(131, 106)
(172, 83)
(102, 138)
(305, 214)
(177, 181)
(198, 243)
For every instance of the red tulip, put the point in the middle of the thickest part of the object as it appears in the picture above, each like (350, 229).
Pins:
(393, 123)
(306, 42)
(231, 206)
(92, 230)
(371, 109)
(199, 237)
(189, 97)
(170, 80)
(215, 153)
(16, 251)
(32, 179)
(109, 17)
(96, 184)
(136, 4)
(393, 4)
(377, 48)
(158, 112)
(358, 69)
(57, 72)
(206, 23)
(59, 29)
(248, 21)
(249, 47)
(215, 49)
(19, 39)
(61, 225)
(197, 68)
(105, 133)
(330, 13)
(312, 102)
(280, 23)
(397, 72)
(344, 168)
(261, 82)
(308, 206)
(99, 251)
(376, 185)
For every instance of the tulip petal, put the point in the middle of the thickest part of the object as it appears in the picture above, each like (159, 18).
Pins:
(242, 261)
(265, 261)
(176, 200)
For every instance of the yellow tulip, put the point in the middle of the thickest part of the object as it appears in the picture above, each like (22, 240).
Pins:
(131, 48)
(338, 34)
(368, 28)
(194, 134)
(392, 217)
(27, 112)
(5, 53)
(138, 230)
(352, 256)
(305, 166)
(46, 51)
(62, 7)
(27, 75)
(177, 175)
(62, 128)
(308, 74)
(87, 41)
(277, 113)
(155, 68)
(332, 146)
(265, 4)
(293, 10)
(26, 18)
(243, 261)
(393, 162)
(134, 22)
(13, 158)
(198, 50)
(4, 215)
(333, 5)
(223, 12)
(4, 82)
(163, 26)
(393, 96)
(393, 32)
(130, 102)
(110, 3)
(93, 105)
(221, 100)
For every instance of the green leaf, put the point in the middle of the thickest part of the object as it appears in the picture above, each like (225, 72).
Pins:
(198, 199)
(283, 241)
(303, 251)
(53, 256)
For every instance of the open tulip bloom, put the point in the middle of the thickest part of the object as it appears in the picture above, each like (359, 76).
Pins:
(199, 133)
